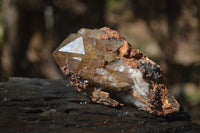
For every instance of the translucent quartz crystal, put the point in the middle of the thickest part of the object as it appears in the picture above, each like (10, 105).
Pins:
(101, 63)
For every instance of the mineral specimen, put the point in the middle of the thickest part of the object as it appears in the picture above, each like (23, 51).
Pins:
(101, 63)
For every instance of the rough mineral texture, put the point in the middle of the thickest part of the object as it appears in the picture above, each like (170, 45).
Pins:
(101, 63)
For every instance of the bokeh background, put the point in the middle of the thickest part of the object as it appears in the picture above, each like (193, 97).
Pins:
(168, 31)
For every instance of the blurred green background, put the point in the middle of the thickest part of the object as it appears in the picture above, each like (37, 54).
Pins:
(168, 31)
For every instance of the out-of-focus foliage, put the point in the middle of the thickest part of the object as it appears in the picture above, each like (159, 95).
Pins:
(1, 26)
(113, 5)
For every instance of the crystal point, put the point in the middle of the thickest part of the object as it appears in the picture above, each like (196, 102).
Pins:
(101, 63)
(75, 46)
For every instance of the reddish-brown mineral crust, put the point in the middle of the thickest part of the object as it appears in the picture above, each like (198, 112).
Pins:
(103, 97)
(136, 54)
(110, 34)
(131, 62)
(124, 50)
(111, 72)
(159, 90)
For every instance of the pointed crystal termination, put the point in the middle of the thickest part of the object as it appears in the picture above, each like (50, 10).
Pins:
(101, 63)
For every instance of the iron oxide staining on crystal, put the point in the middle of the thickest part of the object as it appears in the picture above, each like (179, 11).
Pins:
(101, 63)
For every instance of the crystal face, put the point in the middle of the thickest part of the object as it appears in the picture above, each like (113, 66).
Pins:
(101, 63)
(75, 46)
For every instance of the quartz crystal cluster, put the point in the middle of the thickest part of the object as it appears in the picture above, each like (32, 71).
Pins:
(101, 63)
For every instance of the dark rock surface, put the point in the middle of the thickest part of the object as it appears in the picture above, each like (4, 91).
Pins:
(54, 106)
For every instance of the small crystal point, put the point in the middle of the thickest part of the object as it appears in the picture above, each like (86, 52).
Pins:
(101, 63)
(75, 46)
